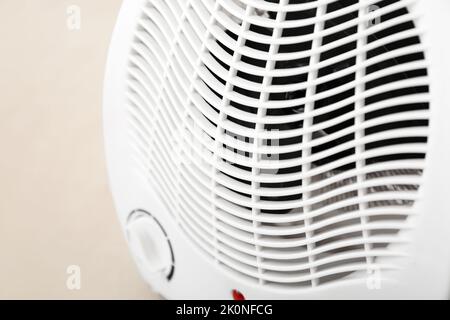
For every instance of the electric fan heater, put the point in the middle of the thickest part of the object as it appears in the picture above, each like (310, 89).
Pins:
(283, 149)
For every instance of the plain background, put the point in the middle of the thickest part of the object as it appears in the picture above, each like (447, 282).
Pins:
(55, 206)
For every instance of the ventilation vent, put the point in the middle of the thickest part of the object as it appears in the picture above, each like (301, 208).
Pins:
(287, 138)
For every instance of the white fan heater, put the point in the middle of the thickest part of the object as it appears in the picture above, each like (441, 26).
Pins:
(283, 149)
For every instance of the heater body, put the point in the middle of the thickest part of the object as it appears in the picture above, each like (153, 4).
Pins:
(217, 190)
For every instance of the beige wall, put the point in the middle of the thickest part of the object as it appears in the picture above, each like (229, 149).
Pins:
(55, 206)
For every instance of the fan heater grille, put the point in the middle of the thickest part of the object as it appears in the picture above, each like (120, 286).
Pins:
(286, 137)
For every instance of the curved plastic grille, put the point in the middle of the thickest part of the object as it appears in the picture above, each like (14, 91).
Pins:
(286, 137)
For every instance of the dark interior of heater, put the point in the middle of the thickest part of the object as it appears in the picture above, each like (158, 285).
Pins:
(342, 95)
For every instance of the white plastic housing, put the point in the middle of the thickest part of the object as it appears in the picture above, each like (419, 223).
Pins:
(212, 233)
